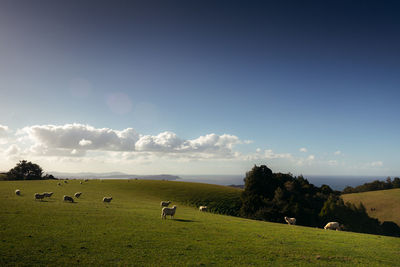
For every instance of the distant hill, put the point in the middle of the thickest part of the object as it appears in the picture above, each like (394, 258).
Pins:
(383, 205)
(113, 175)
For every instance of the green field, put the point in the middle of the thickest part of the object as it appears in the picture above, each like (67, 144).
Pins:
(130, 231)
(386, 203)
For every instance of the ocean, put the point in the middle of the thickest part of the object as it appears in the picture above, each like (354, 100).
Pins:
(335, 182)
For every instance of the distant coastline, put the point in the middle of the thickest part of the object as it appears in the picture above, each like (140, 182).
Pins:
(336, 182)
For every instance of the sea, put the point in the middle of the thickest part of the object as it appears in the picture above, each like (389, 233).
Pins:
(335, 182)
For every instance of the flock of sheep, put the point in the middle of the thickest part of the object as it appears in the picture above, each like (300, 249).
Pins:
(40, 196)
(329, 226)
(165, 209)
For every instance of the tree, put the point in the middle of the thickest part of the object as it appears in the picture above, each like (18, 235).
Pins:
(259, 187)
(25, 170)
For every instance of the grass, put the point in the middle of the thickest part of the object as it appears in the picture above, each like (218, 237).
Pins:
(385, 202)
(129, 230)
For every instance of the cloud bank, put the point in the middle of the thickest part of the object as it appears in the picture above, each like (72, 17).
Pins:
(76, 139)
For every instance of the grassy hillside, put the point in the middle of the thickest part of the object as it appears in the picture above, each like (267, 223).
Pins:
(386, 203)
(129, 230)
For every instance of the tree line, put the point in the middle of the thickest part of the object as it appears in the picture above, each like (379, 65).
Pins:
(374, 186)
(272, 196)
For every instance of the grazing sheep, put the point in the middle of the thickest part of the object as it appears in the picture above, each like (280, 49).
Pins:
(290, 221)
(59, 184)
(78, 194)
(107, 199)
(68, 198)
(80, 182)
(39, 196)
(168, 211)
(332, 226)
(48, 194)
(165, 203)
(203, 208)
(18, 192)
(65, 181)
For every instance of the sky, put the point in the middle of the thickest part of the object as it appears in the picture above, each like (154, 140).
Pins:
(201, 87)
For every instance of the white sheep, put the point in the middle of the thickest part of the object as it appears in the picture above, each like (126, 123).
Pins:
(332, 226)
(203, 208)
(168, 211)
(68, 198)
(290, 221)
(107, 199)
(165, 203)
(48, 194)
(39, 196)
(18, 192)
(80, 182)
(78, 194)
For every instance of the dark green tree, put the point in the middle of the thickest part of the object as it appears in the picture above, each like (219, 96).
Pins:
(25, 170)
(259, 187)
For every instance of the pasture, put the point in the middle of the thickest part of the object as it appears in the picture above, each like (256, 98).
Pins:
(383, 204)
(129, 231)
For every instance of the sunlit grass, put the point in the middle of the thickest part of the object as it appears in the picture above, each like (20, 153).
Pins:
(130, 231)
(385, 203)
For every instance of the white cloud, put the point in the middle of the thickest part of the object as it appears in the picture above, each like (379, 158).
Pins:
(4, 134)
(166, 141)
(303, 149)
(76, 139)
(337, 152)
(85, 142)
(376, 164)
(305, 161)
(269, 154)
(3, 131)
(12, 150)
(74, 136)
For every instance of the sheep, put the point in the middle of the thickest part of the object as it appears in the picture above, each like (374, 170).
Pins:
(48, 194)
(203, 208)
(107, 199)
(165, 203)
(18, 192)
(78, 194)
(39, 196)
(168, 211)
(333, 226)
(65, 181)
(68, 198)
(59, 184)
(80, 182)
(86, 180)
(290, 221)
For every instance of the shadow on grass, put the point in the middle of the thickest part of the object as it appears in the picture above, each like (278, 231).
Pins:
(182, 220)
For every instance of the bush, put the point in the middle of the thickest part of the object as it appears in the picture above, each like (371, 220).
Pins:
(25, 170)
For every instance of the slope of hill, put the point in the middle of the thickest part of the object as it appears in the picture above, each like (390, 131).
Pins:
(383, 205)
(129, 230)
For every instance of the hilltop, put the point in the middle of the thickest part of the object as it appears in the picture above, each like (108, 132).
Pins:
(383, 204)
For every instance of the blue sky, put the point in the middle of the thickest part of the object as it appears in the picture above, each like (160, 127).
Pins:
(208, 87)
